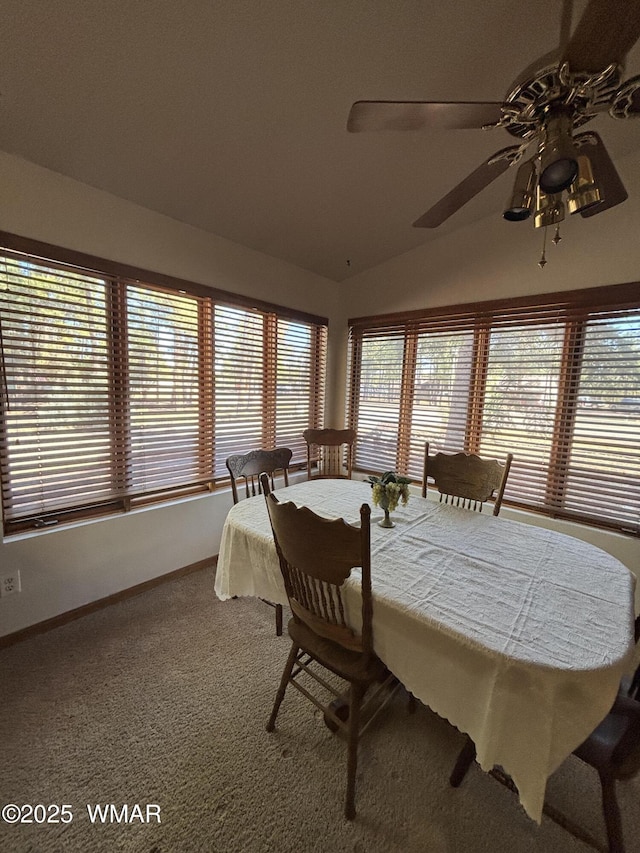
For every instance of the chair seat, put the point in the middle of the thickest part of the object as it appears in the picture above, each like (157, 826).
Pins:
(345, 663)
(599, 747)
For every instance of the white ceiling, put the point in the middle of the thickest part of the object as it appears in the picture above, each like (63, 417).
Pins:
(230, 115)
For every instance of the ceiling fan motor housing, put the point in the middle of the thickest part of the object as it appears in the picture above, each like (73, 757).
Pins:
(558, 156)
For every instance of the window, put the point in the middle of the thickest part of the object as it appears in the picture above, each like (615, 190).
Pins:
(555, 380)
(116, 391)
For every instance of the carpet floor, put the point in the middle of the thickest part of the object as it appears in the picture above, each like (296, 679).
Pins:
(162, 700)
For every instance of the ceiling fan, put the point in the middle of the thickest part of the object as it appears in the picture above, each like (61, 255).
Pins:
(551, 99)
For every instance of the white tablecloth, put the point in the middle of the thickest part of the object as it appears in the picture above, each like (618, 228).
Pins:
(516, 634)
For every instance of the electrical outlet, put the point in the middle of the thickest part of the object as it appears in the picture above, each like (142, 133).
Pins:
(10, 583)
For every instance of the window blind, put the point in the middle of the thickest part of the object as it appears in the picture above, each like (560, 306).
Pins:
(240, 374)
(161, 397)
(299, 366)
(555, 380)
(116, 392)
(56, 441)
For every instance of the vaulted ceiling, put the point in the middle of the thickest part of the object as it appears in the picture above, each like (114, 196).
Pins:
(230, 115)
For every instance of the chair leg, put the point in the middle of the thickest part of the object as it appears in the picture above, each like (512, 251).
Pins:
(278, 620)
(283, 686)
(355, 701)
(611, 814)
(465, 759)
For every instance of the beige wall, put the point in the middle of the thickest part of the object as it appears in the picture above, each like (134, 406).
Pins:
(66, 568)
(495, 258)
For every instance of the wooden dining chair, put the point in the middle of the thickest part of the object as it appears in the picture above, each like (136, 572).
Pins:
(465, 479)
(630, 684)
(245, 469)
(612, 749)
(316, 557)
(331, 450)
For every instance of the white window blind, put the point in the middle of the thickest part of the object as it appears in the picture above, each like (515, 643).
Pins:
(56, 440)
(117, 392)
(162, 372)
(240, 371)
(555, 380)
(298, 368)
(378, 401)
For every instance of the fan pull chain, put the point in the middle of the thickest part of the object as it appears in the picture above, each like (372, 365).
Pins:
(543, 260)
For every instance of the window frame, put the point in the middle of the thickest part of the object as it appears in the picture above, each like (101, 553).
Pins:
(570, 310)
(118, 277)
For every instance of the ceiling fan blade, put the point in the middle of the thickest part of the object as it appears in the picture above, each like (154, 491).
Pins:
(565, 23)
(467, 189)
(417, 115)
(606, 176)
(606, 32)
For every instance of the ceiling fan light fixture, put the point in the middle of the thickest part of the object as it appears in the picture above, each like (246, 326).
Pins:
(549, 209)
(558, 156)
(584, 192)
(520, 204)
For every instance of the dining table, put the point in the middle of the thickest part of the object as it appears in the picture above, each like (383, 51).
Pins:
(517, 634)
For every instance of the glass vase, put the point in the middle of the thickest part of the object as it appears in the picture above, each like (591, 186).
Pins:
(386, 521)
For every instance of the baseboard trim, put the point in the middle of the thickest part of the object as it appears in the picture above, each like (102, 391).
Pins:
(92, 606)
